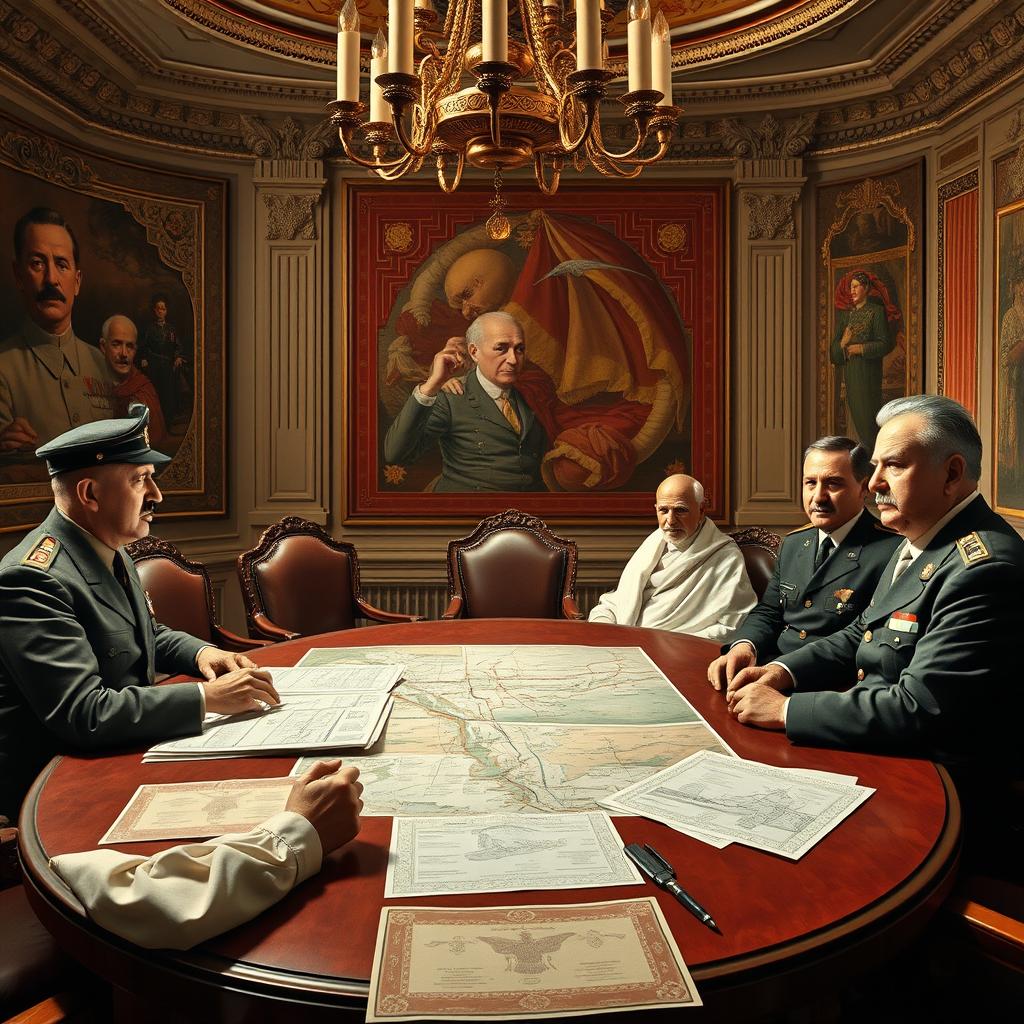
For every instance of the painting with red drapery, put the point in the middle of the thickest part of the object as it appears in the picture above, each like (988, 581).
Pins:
(620, 294)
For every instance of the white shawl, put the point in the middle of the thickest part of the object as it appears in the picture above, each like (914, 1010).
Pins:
(706, 594)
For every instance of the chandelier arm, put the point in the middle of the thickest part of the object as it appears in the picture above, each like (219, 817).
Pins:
(450, 186)
(549, 189)
(589, 121)
(419, 152)
(529, 12)
(644, 161)
(611, 168)
(641, 138)
(410, 164)
(344, 134)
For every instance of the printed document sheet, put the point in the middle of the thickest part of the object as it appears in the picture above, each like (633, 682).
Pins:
(197, 810)
(514, 963)
(773, 809)
(505, 853)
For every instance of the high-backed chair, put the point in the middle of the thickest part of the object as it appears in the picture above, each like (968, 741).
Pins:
(181, 593)
(512, 566)
(760, 549)
(299, 581)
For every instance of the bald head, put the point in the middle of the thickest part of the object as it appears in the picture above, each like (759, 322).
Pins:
(119, 344)
(679, 503)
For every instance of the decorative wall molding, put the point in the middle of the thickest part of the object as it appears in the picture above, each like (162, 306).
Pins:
(290, 141)
(45, 158)
(290, 217)
(770, 214)
(771, 139)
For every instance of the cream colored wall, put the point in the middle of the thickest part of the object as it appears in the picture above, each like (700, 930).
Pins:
(287, 348)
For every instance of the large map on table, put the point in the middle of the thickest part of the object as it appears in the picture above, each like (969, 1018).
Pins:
(487, 728)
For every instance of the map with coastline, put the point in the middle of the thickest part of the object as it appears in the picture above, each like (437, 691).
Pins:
(487, 728)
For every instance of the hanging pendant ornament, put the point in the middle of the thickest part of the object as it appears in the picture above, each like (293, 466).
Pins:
(499, 227)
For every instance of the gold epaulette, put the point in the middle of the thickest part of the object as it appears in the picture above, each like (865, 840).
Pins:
(972, 550)
(800, 529)
(43, 552)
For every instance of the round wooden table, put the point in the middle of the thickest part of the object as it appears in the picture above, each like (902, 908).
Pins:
(789, 929)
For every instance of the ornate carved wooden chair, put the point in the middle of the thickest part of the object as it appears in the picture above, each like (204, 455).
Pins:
(760, 550)
(299, 581)
(181, 593)
(512, 566)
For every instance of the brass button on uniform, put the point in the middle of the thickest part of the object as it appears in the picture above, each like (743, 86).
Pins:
(860, 675)
(808, 603)
(802, 634)
(867, 636)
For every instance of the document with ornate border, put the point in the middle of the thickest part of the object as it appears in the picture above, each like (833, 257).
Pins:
(196, 810)
(514, 963)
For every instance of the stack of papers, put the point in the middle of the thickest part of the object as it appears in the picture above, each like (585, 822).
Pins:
(720, 800)
(321, 709)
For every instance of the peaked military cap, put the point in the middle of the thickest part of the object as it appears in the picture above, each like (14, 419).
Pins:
(96, 444)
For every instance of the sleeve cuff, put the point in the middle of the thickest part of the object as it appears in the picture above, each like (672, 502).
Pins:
(301, 838)
(749, 643)
(427, 400)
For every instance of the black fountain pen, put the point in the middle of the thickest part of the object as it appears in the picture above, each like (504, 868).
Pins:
(663, 875)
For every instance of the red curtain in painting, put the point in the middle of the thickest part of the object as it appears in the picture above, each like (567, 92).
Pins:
(960, 298)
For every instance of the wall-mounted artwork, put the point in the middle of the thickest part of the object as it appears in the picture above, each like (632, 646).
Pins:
(869, 298)
(621, 297)
(151, 250)
(1009, 341)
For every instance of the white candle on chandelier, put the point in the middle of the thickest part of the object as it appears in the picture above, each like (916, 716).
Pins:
(494, 25)
(400, 29)
(380, 110)
(588, 35)
(639, 45)
(348, 52)
(661, 59)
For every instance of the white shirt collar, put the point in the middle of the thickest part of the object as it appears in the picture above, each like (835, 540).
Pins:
(490, 388)
(104, 553)
(840, 534)
(925, 539)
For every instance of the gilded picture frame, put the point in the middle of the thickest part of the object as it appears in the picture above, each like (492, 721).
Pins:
(868, 344)
(146, 236)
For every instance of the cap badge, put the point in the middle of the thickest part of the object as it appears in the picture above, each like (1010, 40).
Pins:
(99, 456)
(145, 435)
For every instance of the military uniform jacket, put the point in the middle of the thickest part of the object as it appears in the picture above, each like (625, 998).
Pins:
(479, 449)
(77, 658)
(800, 605)
(53, 386)
(936, 655)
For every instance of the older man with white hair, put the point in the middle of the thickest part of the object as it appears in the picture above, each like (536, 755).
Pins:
(119, 343)
(687, 576)
(932, 659)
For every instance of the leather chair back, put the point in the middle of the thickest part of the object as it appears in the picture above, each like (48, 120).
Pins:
(760, 549)
(511, 566)
(179, 589)
(305, 586)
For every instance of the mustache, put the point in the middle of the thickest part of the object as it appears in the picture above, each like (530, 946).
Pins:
(885, 499)
(149, 506)
(50, 291)
(823, 506)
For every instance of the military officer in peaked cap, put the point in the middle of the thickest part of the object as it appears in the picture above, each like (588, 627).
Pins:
(932, 655)
(826, 571)
(78, 644)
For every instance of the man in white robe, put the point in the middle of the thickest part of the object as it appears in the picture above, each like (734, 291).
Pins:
(687, 576)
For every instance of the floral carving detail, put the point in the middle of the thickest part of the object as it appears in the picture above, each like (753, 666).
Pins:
(173, 229)
(394, 474)
(770, 215)
(1014, 180)
(44, 157)
(292, 141)
(672, 237)
(771, 139)
(290, 217)
(398, 237)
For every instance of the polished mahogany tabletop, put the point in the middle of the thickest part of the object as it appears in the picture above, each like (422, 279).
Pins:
(855, 899)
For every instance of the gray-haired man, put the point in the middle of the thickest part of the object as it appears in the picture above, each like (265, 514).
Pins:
(935, 653)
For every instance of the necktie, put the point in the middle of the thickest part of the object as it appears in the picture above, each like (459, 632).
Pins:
(906, 557)
(509, 412)
(824, 550)
(120, 571)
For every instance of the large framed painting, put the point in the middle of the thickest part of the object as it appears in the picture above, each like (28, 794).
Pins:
(869, 319)
(620, 292)
(151, 249)
(1008, 303)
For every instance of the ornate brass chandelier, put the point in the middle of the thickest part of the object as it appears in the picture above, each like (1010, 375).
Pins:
(535, 99)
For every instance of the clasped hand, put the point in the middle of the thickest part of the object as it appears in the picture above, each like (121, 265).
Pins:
(754, 693)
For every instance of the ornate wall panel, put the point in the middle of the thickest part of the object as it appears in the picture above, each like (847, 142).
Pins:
(957, 333)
